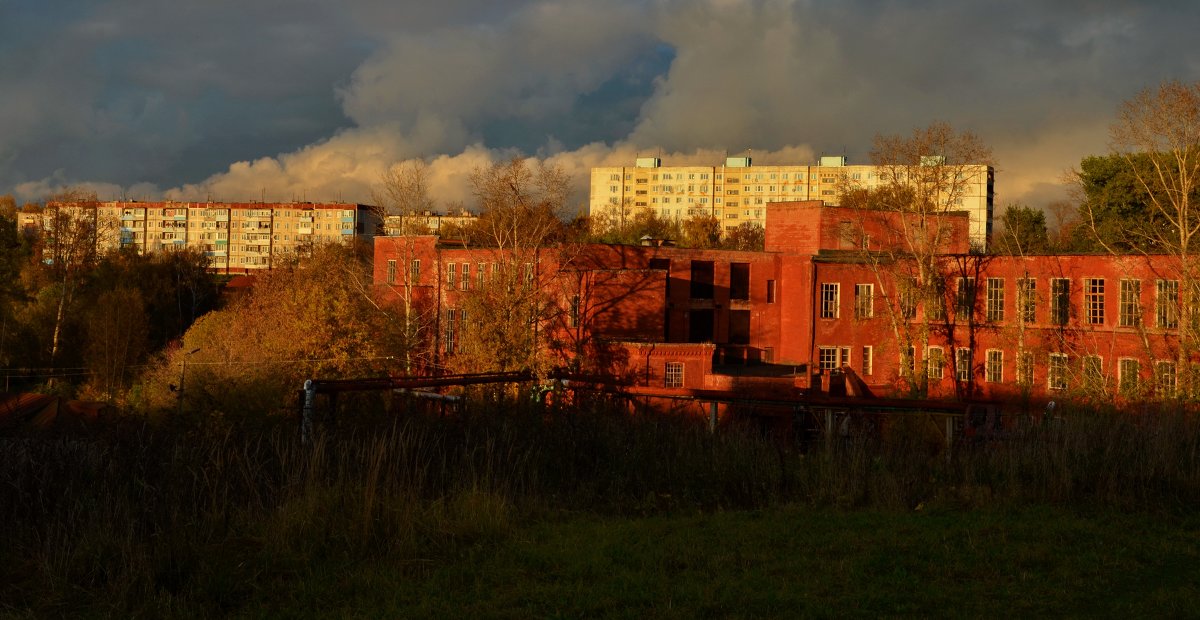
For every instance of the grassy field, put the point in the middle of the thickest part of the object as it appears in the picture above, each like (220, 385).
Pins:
(509, 512)
(783, 562)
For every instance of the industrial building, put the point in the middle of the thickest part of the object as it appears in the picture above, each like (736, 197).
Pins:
(816, 306)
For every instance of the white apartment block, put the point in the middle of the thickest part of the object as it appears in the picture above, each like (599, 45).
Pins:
(738, 192)
(237, 237)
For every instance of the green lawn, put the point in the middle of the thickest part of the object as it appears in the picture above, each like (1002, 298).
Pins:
(777, 563)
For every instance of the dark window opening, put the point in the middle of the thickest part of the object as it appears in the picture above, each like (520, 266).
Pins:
(739, 327)
(702, 279)
(700, 325)
(770, 291)
(739, 281)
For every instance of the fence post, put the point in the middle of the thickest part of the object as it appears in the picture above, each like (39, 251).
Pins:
(306, 417)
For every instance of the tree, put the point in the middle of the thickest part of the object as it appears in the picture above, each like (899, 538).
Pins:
(116, 340)
(8, 206)
(13, 254)
(632, 228)
(1022, 232)
(520, 205)
(313, 318)
(404, 193)
(1113, 206)
(520, 235)
(921, 178)
(1157, 136)
(747, 236)
(701, 231)
(72, 234)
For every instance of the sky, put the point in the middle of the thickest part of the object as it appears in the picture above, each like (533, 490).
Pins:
(314, 100)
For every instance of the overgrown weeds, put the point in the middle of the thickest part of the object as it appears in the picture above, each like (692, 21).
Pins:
(155, 518)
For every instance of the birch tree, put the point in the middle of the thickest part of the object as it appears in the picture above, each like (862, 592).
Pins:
(1157, 135)
(920, 178)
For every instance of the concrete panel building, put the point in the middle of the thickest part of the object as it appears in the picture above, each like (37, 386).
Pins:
(238, 236)
(738, 191)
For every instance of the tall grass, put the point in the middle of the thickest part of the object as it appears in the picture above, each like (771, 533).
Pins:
(153, 517)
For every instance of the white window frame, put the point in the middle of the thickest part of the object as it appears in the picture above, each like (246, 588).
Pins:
(1123, 363)
(962, 371)
(673, 374)
(864, 301)
(994, 366)
(1056, 372)
(831, 299)
(931, 371)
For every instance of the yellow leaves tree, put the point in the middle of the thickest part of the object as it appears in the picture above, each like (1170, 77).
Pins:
(920, 178)
(315, 318)
(1157, 135)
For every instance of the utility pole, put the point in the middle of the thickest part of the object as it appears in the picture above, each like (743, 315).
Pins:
(183, 375)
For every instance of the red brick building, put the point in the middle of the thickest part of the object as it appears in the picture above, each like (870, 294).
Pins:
(821, 298)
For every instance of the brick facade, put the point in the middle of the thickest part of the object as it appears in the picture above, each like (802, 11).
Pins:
(813, 303)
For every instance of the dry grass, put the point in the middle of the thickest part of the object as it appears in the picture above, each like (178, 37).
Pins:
(169, 518)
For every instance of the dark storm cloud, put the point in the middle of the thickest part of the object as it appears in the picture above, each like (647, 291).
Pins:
(321, 97)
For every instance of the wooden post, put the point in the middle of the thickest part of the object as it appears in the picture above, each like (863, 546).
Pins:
(306, 418)
(949, 437)
(828, 429)
(712, 417)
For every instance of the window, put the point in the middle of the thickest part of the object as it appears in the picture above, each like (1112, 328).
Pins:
(827, 357)
(1025, 369)
(994, 371)
(864, 301)
(962, 364)
(480, 277)
(1056, 372)
(574, 311)
(995, 300)
(770, 291)
(964, 299)
(935, 305)
(739, 327)
(452, 327)
(391, 272)
(1130, 314)
(1060, 300)
(739, 281)
(1027, 300)
(1166, 304)
(1128, 379)
(465, 283)
(868, 359)
(908, 361)
(673, 376)
(451, 275)
(934, 363)
(1093, 300)
(829, 300)
(1164, 378)
(702, 279)
(1093, 374)
(908, 304)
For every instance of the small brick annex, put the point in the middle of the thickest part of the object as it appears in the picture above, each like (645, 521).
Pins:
(811, 305)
